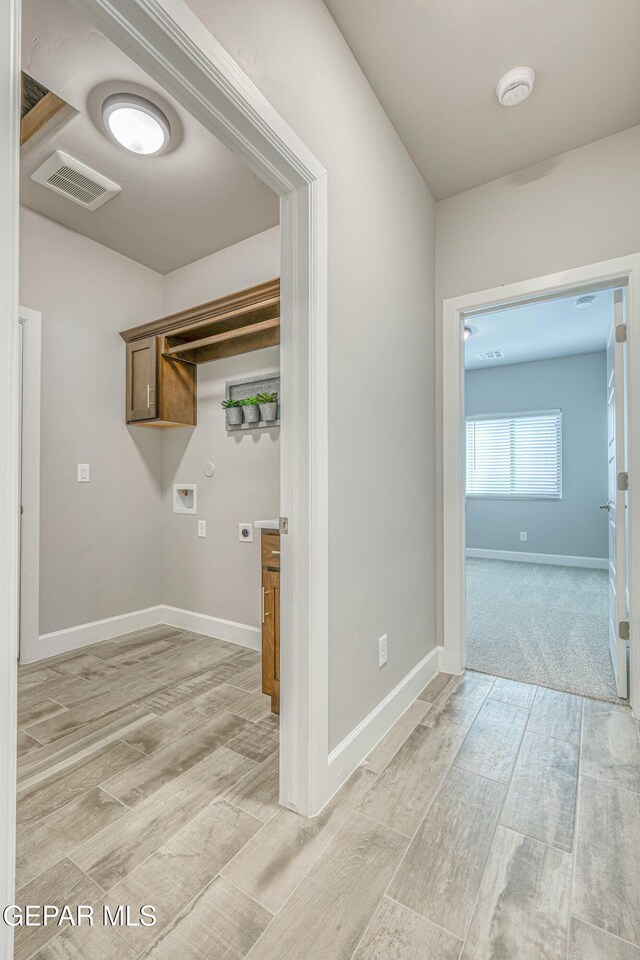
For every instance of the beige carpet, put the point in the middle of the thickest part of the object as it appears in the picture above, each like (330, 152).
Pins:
(541, 624)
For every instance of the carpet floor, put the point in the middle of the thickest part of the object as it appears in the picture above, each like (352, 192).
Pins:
(540, 624)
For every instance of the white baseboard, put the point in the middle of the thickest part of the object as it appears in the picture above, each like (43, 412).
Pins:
(240, 633)
(597, 563)
(355, 747)
(85, 634)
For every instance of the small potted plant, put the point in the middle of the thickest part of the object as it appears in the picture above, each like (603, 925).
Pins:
(250, 409)
(268, 403)
(234, 412)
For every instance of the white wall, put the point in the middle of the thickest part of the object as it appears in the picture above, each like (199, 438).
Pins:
(381, 289)
(241, 265)
(578, 208)
(574, 525)
(219, 576)
(101, 542)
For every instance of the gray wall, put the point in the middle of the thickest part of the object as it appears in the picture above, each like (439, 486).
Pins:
(577, 208)
(381, 301)
(220, 576)
(100, 542)
(573, 526)
(114, 545)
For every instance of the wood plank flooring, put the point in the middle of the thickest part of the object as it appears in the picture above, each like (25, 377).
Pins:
(495, 820)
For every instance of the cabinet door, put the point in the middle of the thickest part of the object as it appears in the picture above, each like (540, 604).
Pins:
(275, 696)
(141, 380)
(269, 624)
(270, 549)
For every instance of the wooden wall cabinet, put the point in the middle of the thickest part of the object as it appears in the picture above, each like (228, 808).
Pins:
(162, 355)
(270, 549)
(160, 390)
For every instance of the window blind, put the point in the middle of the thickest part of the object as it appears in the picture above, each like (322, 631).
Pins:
(515, 456)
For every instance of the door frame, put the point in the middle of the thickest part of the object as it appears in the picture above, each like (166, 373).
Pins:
(626, 272)
(172, 45)
(9, 447)
(30, 322)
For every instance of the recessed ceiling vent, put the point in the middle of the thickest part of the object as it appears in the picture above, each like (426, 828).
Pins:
(75, 180)
(490, 355)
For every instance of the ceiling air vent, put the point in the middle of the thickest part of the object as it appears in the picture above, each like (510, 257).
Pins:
(75, 180)
(490, 355)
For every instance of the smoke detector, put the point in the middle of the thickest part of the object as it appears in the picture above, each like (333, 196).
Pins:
(75, 180)
(515, 86)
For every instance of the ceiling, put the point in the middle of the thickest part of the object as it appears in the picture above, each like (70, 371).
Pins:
(173, 208)
(540, 331)
(434, 65)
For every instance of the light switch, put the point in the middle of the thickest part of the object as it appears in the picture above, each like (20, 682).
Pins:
(83, 473)
(202, 528)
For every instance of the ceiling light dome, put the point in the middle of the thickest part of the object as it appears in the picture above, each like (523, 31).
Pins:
(585, 301)
(135, 123)
(515, 86)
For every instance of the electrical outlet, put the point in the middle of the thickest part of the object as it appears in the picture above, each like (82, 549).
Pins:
(202, 528)
(245, 532)
(382, 651)
(523, 536)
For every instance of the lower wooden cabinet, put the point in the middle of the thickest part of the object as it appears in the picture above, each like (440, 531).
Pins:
(270, 549)
(160, 390)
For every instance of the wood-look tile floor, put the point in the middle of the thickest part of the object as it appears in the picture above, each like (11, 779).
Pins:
(495, 821)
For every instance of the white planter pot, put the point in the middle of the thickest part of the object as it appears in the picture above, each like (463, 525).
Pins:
(234, 416)
(269, 411)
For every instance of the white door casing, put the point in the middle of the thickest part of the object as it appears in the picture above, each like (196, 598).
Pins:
(616, 495)
(9, 446)
(622, 272)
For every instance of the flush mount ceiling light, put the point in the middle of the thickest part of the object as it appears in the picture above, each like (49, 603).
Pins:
(467, 332)
(135, 123)
(583, 302)
(515, 86)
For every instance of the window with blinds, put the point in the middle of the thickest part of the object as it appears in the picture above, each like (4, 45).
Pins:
(515, 456)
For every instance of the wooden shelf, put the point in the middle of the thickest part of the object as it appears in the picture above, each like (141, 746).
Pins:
(240, 339)
(162, 355)
(244, 321)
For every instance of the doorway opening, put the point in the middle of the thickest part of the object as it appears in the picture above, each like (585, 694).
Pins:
(545, 492)
(601, 279)
(181, 56)
(150, 461)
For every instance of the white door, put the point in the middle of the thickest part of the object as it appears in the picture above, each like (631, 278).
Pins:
(616, 503)
(29, 613)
